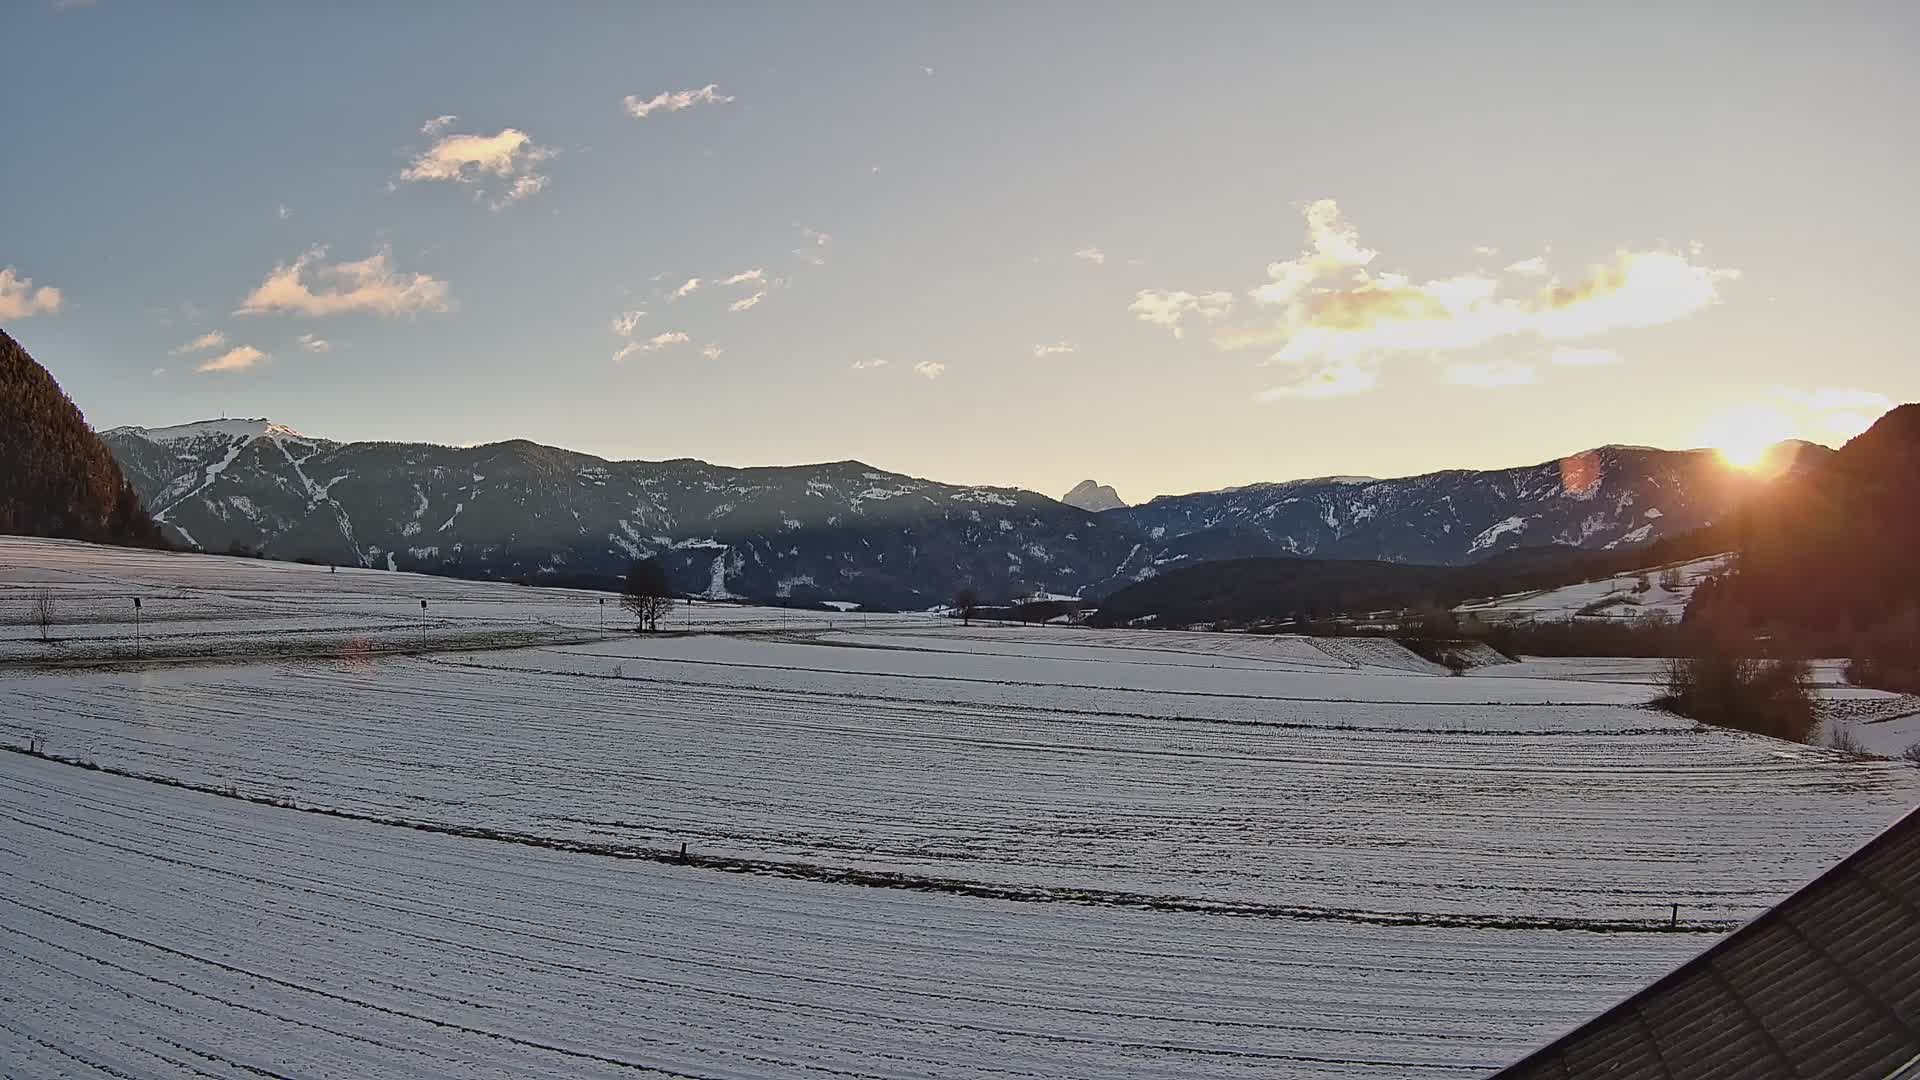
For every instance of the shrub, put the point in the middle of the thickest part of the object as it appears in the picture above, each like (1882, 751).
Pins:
(1884, 672)
(1843, 740)
(1912, 753)
(1767, 697)
(1600, 606)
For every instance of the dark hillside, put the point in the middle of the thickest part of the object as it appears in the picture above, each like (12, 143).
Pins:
(56, 477)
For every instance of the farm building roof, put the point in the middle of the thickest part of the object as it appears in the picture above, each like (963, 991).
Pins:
(1825, 984)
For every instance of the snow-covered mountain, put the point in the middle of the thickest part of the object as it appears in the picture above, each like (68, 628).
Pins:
(848, 531)
(835, 531)
(1093, 497)
(1610, 497)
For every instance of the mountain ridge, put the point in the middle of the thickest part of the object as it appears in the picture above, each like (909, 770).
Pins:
(850, 531)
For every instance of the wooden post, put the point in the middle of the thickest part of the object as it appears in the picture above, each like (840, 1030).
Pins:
(683, 851)
(1675, 921)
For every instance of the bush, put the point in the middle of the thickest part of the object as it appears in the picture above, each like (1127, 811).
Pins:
(1843, 740)
(1885, 671)
(1912, 753)
(1766, 697)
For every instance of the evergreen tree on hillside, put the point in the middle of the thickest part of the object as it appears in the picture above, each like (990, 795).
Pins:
(56, 478)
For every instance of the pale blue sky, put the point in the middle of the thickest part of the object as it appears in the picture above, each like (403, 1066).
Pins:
(1755, 163)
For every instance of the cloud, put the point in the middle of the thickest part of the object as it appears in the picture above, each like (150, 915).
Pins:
(930, 369)
(1348, 377)
(1492, 375)
(437, 125)
(1489, 252)
(711, 350)
(663, 340)
(310, 286)
(510, 155)
(1835, 414)
(283, 212)
(1329, 306)
(313, 343)
(239, 358)
(867, 365)
(1571, 357)
(1163, 308)
(1091, 254)
(212, 339)
(524, 187)
(625, 322)
(159, 371)
(1058, 348)
(19, 299)
(674, 101)
(818, 241)
(692, 286)
(1638, 289)
(1534, 267)
(754, 276)
(1333, 246)
(747, 302)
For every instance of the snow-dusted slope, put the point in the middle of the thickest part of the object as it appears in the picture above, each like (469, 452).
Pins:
(1617, 597)
(1606, 498)
(847, 532)
(832, 532)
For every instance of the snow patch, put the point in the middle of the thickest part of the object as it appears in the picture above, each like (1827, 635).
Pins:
(1492, 534)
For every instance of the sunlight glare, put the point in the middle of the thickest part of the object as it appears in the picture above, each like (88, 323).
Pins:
(1745, 434)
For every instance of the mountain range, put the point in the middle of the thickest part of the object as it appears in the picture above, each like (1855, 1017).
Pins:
(849, 532)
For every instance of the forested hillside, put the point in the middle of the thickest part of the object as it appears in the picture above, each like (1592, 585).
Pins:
(56, 477)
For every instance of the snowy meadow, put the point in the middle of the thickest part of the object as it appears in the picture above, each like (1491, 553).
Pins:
(313, 830)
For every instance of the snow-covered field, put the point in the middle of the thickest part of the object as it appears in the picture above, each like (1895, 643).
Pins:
(203, 605)
(914, 848)
(1608, 598)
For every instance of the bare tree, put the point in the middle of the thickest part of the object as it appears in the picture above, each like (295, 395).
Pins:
(964, 602)
(43, 612)
(1671, 580)
(647, 593)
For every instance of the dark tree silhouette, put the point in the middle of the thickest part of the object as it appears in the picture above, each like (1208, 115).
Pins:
(647, 593)
(964, 602)
(56, 477)
(43, 612)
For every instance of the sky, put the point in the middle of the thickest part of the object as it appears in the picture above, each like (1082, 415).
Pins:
(1168, 247)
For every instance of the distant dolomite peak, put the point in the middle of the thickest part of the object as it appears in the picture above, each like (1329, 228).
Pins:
(1093, 497)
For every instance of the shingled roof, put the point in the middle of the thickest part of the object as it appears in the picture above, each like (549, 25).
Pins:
(1827, 984)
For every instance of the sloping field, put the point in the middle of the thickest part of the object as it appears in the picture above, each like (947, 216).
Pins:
(208, 606)
(912, 849)
(1608, 598)
(1408, 800)
(153, 932)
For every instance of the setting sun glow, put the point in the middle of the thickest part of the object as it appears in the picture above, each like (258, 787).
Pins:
(1744, 435)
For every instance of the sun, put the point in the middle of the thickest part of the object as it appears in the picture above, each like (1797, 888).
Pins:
(1745, 436)
(1745, 453)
